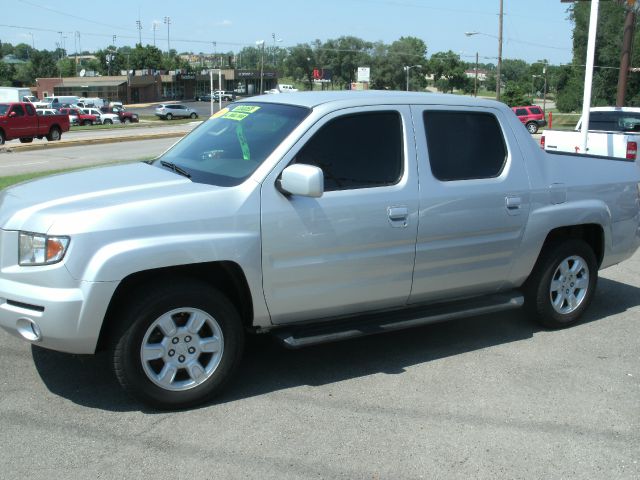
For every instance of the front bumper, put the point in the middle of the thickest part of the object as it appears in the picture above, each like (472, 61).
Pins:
(65, 319)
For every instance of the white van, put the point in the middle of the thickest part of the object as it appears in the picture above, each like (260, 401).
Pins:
(15, 94)
(57, 101)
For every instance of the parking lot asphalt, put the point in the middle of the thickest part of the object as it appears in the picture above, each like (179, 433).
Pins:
(488, 397)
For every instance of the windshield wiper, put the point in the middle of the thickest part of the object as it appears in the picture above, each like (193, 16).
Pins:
(175, 168)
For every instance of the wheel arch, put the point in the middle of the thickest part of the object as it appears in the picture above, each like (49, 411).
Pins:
(226, 276)
(591, 233)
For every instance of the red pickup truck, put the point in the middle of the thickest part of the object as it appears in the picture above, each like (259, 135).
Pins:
(19, 120)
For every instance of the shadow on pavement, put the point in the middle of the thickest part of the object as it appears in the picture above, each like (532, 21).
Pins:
(267, 367)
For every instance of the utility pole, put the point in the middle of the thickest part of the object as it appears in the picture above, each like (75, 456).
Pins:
(498, 80)
(627, 44)
(139, 26)
(155, 27)
(475, 80)
(167, 20)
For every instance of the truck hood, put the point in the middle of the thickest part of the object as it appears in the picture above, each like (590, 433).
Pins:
(35, 206)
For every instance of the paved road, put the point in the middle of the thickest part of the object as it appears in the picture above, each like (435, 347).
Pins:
(42, 160)
(485, 398)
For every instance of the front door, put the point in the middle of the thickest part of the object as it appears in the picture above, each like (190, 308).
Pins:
(352, 249)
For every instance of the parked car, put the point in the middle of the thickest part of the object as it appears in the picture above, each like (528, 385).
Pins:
(19, 120)
(103, 118)
(169, 111)
(224, 95)
(613, 131)
(310, 217)
(205, 98)
(47, 111)
(78, 117)
(124, 115)
(283, 88)
(531, 116)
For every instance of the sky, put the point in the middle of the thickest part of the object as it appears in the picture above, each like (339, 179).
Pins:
(532, 30)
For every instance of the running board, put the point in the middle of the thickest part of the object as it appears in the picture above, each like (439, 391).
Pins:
(305, 335)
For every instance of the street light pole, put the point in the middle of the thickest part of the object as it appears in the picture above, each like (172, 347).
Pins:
(475, 80)
(406, 69)
(261, 43)
(499, 52)
(167, 20)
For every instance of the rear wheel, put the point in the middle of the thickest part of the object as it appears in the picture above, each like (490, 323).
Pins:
(86, 123)
(54, 134)
(179, 346)
(562, 283)
(532, 127)
(26, 140)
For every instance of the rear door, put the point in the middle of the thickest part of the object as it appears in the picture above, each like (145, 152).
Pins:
(474, 202)
(352, 249)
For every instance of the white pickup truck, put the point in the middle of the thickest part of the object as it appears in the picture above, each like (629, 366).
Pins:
(613, 132)
(312, 217)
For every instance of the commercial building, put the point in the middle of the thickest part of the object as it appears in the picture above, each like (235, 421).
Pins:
(147, 86)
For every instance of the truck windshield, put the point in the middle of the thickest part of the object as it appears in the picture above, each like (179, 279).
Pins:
(226, 149)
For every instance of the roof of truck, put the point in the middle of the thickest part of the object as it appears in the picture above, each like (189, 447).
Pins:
(370, 97)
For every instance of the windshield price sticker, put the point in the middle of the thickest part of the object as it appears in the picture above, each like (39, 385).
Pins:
(246, 109)
(235, 116)
(220, 113)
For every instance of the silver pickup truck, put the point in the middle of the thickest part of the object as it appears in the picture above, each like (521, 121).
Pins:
(314, 217)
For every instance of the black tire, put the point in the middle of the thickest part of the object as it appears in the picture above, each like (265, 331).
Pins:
(194, 115)
(532, 127)
(54, 134)
(1, 137)
(579, 284)
(138, 318)
(126, 120)
(108, 121)
(169, 116)
(26, 140)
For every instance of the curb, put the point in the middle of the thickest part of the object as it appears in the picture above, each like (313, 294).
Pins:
(94, 141)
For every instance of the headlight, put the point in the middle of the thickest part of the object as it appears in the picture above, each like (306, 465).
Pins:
(39, 249)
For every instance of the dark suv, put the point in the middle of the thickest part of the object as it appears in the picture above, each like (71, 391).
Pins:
(531, 116)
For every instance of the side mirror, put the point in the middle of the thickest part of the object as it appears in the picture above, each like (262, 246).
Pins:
(12, 114)
(303, 180)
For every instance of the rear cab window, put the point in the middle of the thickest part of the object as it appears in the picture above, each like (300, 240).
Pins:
(482, 154)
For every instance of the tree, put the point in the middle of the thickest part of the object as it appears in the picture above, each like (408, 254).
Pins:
(300, 63)
(145, 57)
(448, 71)
(607, 56)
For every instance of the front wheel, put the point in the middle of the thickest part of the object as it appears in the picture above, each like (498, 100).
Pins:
(169, 116)
(532, 127)
(108, 121)
(562, 283)
(194, 115)
(125, 120)
(180, 345)
(1, 137)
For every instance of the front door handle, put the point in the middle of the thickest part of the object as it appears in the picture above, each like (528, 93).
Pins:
(398, 216)
(513, 204)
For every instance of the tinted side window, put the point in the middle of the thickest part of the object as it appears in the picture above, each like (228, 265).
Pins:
(357, 151)
(464, 145)
(30, 109)
(521, 112)
(19, 110)
(535, 110)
